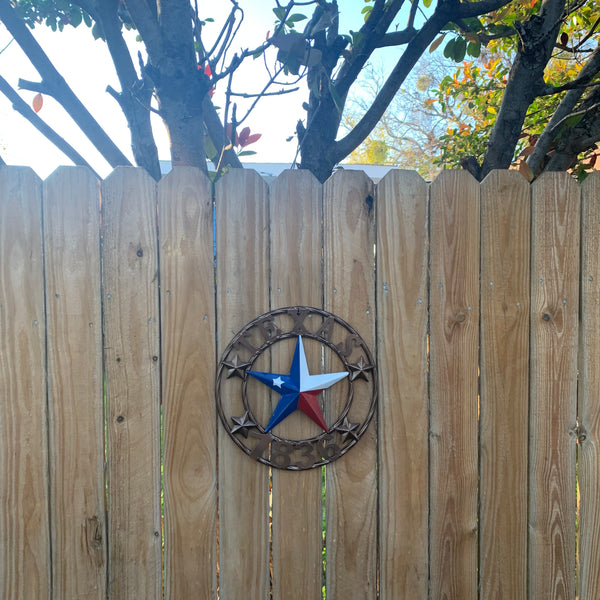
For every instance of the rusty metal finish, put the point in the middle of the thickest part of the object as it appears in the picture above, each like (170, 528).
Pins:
(244, 404)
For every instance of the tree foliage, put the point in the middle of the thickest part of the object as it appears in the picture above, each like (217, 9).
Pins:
(531, 95)
(180, 65)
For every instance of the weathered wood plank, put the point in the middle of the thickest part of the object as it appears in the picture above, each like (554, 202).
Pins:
(24, 527)
(454, 318)
(504, 403)
(589, 400)
(351, 482)
(296, 279)
(402, 301)
(75, 383)
(553, 404)
(131, 337)
(188, 367)
(242, 294)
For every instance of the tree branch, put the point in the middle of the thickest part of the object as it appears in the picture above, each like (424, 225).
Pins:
(218, 135)
(135, 95)
(565, 108)
(59, 88)
(537, 36)
(371, 33)
(404, 66)
(579, 138)
(26, 111)
(146, 23)
(397, 38)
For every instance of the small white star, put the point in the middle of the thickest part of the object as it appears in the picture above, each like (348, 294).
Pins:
(278, 382)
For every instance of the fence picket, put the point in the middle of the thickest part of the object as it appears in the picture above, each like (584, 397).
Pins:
(402, 301)
(296, 279)
(24, 527)
(553, 381)
(188, 367)
(504, 388)
(351, 482)
(131, 338)
(589, 400)
(242, 294)
(75, 383)
(454, 317)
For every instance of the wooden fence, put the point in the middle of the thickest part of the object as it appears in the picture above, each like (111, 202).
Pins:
(479, 476)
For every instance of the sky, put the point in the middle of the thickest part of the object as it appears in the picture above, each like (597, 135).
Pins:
(86, 66)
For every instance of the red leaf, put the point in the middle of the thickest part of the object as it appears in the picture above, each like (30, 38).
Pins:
(38, 102)
(207, 70)
(243, 136)
(253, 138)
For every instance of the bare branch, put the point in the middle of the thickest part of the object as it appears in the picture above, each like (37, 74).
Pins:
(147, 24)
(397, 38)
(58, 87)
(24, 109)
(136, 94)
(409, 58)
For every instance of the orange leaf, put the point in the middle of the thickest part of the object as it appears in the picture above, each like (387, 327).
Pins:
(38, 102)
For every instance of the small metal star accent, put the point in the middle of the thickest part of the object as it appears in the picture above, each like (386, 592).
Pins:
(242, 424)
(236, 368)
(299, 389)
(359, 370)
(348, 429)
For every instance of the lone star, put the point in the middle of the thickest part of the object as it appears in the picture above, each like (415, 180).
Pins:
(299, 389)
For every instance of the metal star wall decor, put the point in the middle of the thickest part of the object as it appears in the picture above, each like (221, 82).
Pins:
(307, 416)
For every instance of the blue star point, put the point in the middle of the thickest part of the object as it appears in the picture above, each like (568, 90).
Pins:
(298, 389)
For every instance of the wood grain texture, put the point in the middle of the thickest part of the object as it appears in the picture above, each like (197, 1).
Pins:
(132, 360)
(454, 318)
(188, 366)
(296, 279)
(589, 401)
(75, 383)
(24, 526)
(351, 482)
(402, 301)
(504, 388)
(553, 404)
(242, 294)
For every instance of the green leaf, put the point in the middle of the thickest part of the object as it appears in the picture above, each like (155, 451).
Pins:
(460, 49)
(449, 48)
(97, 32)
(246, 153)
(87, 19)
(426, 3)
(295, 18)
(474, 49)
(76, 17)
(279, 13)
(339, 104)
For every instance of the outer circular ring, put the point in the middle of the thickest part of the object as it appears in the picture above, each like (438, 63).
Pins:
(249, 433)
